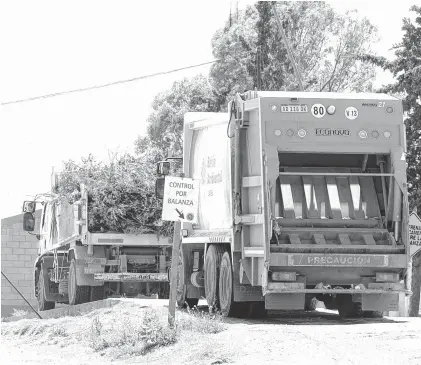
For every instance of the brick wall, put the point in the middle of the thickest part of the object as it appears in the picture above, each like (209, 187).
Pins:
(18, 253)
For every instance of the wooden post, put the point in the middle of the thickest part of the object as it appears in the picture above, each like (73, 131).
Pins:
(415, 285)
(174, 273)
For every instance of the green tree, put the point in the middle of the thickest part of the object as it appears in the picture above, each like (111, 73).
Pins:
(326, 47)
(165, 124)
(406, 68)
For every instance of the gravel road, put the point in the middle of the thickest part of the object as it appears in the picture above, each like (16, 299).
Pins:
(318, 337)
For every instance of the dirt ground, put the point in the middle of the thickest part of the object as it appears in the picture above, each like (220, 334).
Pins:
(318, 337)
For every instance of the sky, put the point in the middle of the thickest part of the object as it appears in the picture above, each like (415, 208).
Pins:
(50, 46)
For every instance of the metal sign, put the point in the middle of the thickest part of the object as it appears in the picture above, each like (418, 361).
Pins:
(414, 233)
(338, 260)
(181, 196)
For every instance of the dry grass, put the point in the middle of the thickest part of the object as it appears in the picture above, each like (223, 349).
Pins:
(125, 330)
(19, 312)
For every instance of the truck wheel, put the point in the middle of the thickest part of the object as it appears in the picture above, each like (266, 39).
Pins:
(43, 304)
(310, 303)
(226, 297)
(192, 302)
(97, 293)
(77, 294)
(212, 265)
(372, 314)
(346, 307)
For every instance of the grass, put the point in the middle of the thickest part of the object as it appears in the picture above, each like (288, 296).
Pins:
(19, 312)
(122, 331)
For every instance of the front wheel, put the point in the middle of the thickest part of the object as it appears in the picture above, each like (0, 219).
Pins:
(43, 304)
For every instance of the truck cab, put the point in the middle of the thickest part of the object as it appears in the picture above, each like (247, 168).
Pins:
(76, 266)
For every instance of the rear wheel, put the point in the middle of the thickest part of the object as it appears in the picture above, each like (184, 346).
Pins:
(78, 294)
(226, 297)
(43, 304)
(192, 302)
(182, 301)
(372, 314)
(212, 265)
(346, 307)
(310, 303)
(97, 293)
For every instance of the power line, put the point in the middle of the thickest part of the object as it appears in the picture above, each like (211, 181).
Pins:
(106, 85)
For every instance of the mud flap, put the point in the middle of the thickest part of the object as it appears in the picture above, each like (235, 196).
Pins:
(288, 301)
(380, 302)
(244, 292)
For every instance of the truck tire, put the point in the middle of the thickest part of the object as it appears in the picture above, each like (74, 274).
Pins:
(225, 292)
(310, 303)
(255, 310)
(97, 293)
(78, 294)
(372, 314)
(43, 304)
(212, 265)
(347, 308)
(192, 302)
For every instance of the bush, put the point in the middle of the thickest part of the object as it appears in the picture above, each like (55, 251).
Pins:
(130, 336)
(121, 194)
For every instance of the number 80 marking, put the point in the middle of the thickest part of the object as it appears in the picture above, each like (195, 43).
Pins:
(318, 110)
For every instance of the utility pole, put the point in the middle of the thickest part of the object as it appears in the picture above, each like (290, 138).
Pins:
(287, 46)
(258, 68)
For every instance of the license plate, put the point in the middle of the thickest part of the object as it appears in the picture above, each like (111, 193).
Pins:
(339, 260)
(287, 108)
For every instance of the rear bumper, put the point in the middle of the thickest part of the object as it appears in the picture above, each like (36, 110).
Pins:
(132, 277)
(338, 260)
(274, 289)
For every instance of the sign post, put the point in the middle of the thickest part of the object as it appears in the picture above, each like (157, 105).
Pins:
(414, 269)
(181, 196)
(174, 271)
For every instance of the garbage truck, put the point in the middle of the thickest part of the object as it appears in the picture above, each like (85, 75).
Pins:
(76, 266)
(301, 195)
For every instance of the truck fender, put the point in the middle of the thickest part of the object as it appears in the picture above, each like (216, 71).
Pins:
(80, 254)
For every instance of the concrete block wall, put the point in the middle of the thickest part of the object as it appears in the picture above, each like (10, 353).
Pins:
(18, 253)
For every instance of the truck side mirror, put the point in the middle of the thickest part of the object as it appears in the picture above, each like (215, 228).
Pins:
(29, 206)
(28, 222)
(163, 168)
(160, 187)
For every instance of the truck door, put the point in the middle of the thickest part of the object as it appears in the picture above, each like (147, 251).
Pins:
(48, 230)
